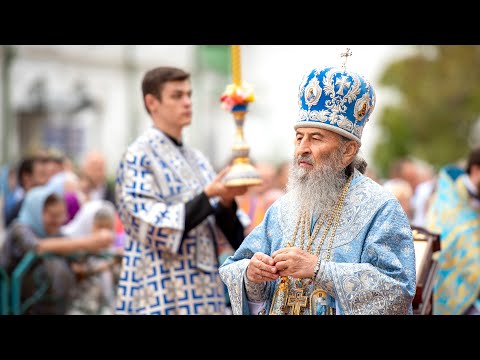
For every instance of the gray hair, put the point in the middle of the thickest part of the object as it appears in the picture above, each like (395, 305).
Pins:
(360, 163)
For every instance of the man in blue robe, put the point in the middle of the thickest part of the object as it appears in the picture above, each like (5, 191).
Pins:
(176, 211)
(454, 213)
(336, 242)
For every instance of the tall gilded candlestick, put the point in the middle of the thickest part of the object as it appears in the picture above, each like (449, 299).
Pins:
(236, 98)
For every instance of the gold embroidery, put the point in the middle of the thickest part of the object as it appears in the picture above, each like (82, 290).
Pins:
(280, 298)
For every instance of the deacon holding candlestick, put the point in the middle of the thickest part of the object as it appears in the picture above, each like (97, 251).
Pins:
(235, 99)
(179, 215)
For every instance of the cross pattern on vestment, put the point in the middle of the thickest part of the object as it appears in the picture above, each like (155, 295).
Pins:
(297, 301)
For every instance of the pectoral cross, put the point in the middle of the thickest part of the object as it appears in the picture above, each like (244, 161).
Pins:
(346, 54)
(297, 301)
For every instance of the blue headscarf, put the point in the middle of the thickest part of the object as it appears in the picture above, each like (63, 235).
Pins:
(454, 171)
(31, 212)
(57, 182)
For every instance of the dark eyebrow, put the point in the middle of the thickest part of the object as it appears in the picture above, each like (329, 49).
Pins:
(180, 91)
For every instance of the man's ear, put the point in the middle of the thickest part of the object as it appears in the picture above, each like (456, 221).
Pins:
(150, 101)
(351, 149)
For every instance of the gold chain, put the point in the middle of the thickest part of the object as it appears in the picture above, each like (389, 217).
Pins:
(335, 219)
(317, 228)
(318, 225)
(297, 226)
(338, 210)
(302, 223)
(302, 226)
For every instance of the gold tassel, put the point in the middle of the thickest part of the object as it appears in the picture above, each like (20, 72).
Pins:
(280, 298)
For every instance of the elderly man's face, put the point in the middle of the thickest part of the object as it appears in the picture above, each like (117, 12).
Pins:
(316, 179)
(312, 145)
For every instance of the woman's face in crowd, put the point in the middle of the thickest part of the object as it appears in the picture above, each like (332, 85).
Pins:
(54, 216)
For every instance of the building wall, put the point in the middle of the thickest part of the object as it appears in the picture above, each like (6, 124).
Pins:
(112, 76)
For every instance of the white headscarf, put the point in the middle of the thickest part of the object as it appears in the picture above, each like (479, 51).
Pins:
(82, 223)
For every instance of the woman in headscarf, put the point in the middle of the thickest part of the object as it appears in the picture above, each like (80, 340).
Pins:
(95, 293)
(67, 183)
(38, 229)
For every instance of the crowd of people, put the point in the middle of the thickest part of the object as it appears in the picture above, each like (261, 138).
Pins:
(67, 218)
(321, 235)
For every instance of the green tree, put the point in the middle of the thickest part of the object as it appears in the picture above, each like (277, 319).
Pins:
(215, 57)
(439, 103)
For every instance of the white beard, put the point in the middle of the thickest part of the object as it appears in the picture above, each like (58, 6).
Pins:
(317, 189)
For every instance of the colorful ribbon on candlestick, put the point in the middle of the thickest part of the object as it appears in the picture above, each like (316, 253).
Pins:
(238, 93)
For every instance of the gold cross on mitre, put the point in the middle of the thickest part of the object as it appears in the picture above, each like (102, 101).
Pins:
(346, 54)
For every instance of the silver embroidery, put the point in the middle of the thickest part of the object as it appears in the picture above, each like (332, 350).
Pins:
(232, 276)
(255, 291)
(256, 244)
(337, 104)
(407, 250)
(322, 116)
(302, 87)
(386, 247)
(344, 123)
(357, 130)
(367, 292)
(342, 83)
(354, 90)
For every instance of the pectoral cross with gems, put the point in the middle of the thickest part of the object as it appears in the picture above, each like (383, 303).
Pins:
(297, 301)
(346, 54)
